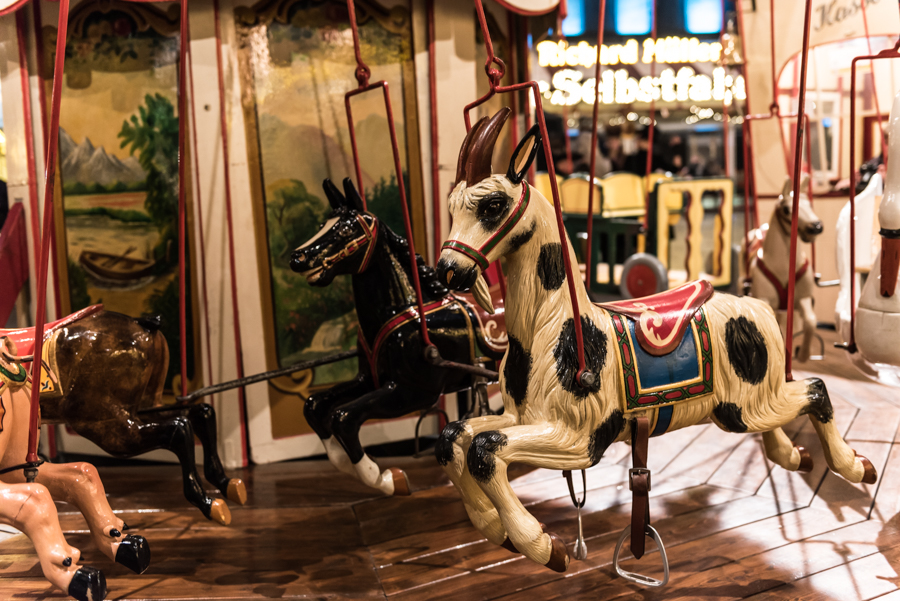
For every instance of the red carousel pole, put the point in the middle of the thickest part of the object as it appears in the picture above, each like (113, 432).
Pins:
(798, 157)
(362, 77)
(495, 69)
(184, 41)
(436, 207)
(601, 23)
(34, 423)
(650, 130)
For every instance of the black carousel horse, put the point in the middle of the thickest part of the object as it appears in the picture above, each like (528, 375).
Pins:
(394, 376)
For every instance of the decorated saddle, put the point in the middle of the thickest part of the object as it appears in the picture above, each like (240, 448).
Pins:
(665, 349)
(20, 343)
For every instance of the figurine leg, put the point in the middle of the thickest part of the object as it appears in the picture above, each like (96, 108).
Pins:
(809, 397)
(809, 328)
(318, 411)
(133, 437)
(79, 485)
(385, 403)
(543, 445)
(781, 451)
(203, 421)
(451, 450)
(29, 508)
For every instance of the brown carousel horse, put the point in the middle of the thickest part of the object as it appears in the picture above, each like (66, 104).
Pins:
(105, 368)
(29, 506)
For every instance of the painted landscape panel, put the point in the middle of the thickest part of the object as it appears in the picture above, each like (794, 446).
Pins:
(118, 159)
(301, 68)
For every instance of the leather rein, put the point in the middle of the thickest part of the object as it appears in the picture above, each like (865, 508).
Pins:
(368, 238)
(479, 255)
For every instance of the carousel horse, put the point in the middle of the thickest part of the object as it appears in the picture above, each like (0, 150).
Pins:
(394, 376)
(104, 368)
(878, 313)
(674, 359)
(29, 506)
(868, 245)
(769, 249)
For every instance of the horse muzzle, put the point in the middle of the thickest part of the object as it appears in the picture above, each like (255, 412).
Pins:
(463, 278)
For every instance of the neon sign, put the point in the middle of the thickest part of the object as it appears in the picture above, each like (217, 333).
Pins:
(617, 87)
(666, 50)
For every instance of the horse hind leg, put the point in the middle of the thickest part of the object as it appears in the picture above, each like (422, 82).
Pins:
(781, 451)
(79, 485)
(29, 508)
(841, 459)
(347, 419)
(203, 421)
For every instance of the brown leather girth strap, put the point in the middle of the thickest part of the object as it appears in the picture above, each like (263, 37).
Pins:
(639, 482)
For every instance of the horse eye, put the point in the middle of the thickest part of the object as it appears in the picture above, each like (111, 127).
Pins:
(346, 230)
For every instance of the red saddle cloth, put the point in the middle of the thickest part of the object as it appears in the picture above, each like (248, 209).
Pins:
(661, 319)
(24, 337)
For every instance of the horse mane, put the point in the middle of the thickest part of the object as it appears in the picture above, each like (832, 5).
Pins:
(432, 287)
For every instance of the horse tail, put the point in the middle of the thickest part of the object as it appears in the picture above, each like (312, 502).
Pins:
(151, 323)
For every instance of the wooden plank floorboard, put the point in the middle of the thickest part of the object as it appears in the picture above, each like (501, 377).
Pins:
(735, 526)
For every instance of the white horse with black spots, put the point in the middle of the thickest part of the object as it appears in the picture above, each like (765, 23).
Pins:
(552, 421)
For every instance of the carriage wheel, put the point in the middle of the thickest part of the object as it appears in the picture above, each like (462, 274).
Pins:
(643, 275)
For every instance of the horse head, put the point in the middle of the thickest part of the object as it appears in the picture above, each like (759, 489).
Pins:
(344, 244)
(488, 210)
(808, 225)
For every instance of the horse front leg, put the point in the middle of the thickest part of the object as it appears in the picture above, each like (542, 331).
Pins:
(318, 411)
(809, 327)
(386, 402)
(451, 449)
(541, 445)
(29, 508)
(203, 421)
(79, 485)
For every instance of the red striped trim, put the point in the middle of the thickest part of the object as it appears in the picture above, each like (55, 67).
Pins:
(410, 314)
(779, 287)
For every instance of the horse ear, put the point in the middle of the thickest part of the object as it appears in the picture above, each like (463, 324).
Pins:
(354, 199)
(787, 188)
(523, 155)
(335, 198)
(804, 183)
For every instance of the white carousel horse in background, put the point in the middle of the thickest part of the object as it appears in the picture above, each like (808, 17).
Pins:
(878, 310)
(868, 245)
(769, 248)
(555, 419)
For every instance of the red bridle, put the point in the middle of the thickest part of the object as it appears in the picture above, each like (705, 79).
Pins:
(479, 255)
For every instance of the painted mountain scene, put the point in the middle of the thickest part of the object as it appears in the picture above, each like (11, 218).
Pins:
(308, 62)
(118, 160)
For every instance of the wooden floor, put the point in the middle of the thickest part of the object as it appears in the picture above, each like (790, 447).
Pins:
(734, 527)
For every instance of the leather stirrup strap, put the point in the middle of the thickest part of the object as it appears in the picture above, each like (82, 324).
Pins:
(639, 482)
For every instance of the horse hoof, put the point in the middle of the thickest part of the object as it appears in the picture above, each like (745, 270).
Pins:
(114, 533)
(237, 491)
(806, 461)
(870, 475)
(125, 527)
(219, 512)
(88, 584)
(559, 556)
(509, 546)
(401, 482)
(134, 553)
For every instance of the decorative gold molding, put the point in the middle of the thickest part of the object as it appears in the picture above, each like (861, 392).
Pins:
(264, 12)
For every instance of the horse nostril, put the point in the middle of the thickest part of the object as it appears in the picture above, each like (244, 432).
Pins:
(300, 257)
(449, 275)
